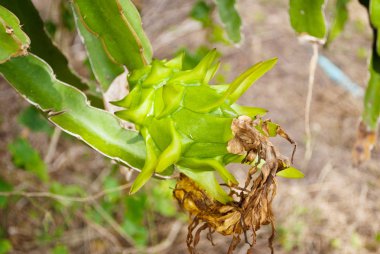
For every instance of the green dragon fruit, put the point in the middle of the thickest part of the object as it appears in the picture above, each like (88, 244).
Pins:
(185, 121)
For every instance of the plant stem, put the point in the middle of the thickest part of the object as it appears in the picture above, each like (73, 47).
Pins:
(53, 145)
(312, 69)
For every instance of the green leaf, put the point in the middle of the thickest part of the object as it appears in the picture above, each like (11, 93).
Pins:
(135, 207)
(118, 25)
(139, 232)
(50, 28)
(377, 237)
(217, 35)
(201, 12)
(67, 16)
(41, 44)
(104, 69)
(162, 198)
(356, 241)
(111, 182)
(272, 128)
(339, 21)
(13, 41)
(60, 249)
(5, 246)
(67, 108)
(374, 11)
(32, 119)
(372, 98)
(378, 42)
(230, 18)
(290, 172)
(133, 223)
(4, 187)
(26, 157)
(307, 17)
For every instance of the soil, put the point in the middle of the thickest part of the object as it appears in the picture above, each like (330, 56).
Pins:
(334, 209)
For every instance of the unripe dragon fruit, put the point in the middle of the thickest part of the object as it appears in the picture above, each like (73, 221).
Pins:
(186, 122)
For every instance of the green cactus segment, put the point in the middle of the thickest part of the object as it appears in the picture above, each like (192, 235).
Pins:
(118, 26)
(40, 43)
(374, 11)
(103, 68)
(371, 111)
(230, 17)
(339, 21)
(10, 20)
(13, 41)
(307, 17)
(185, 121)
(68, 108)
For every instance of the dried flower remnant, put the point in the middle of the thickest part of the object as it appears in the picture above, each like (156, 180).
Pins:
(252, 204)
(365, 142)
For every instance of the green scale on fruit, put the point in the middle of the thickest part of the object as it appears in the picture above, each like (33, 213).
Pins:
(185, 121)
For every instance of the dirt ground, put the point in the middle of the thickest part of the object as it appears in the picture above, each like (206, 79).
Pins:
(335, 208)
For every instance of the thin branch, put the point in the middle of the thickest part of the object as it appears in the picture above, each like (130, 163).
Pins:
(66, 198)
(53, 145)
(312, 69)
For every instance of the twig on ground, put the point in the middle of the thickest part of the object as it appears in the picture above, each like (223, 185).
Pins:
(90, 198)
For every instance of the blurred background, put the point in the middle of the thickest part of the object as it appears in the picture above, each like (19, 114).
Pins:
(70, 199)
